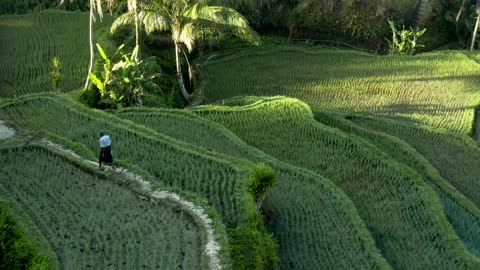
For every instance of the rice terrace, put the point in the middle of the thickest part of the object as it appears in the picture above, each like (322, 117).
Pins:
(221, 134)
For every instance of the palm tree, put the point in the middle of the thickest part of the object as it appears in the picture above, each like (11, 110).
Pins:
(421, 13)
(188, 21)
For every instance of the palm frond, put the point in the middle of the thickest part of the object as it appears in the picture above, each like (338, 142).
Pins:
(207, 22)
(200, 29)
(304, 4)
(124, 20)
(154, 21)
(132, 5)
(188, 36)
(98, 8)
(151, 20)
(216, 14)
(160, 6)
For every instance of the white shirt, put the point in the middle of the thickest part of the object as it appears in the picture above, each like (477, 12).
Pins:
(105, 141)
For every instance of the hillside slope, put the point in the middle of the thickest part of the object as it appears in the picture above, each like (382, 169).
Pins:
(400, 209)
(462, 212)
(437, 89)
(311, 219)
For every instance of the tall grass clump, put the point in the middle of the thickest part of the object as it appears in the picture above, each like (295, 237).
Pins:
(56, 73)
(260, 181)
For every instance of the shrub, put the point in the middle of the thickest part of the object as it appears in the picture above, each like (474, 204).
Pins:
(91, 97)
(252, 249)
(16, 251)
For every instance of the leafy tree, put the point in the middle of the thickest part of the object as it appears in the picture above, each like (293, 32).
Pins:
(188, 21)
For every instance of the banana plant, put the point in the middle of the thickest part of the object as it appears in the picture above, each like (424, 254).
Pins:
(404, 41)
(124, 81)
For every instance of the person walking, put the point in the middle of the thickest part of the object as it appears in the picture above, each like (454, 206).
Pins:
(105, 150)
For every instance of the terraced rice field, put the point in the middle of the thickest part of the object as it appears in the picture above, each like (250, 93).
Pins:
(461, 212)
(377, 160)
(314, 223)
(29, 42)
(93, 223)
(400, 210)
(170, 165)
(436, 89)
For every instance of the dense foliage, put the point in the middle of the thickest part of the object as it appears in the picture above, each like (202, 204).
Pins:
(359, 23)
(16, 250)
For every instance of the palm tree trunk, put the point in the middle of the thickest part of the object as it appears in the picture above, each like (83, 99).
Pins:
(460, 11)
(137, 43)
(474, 37)
(92, 51)
(421, 13)
(185, 94)
(190, 71)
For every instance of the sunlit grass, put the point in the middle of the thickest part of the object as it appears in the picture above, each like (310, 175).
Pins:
(437, 89)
